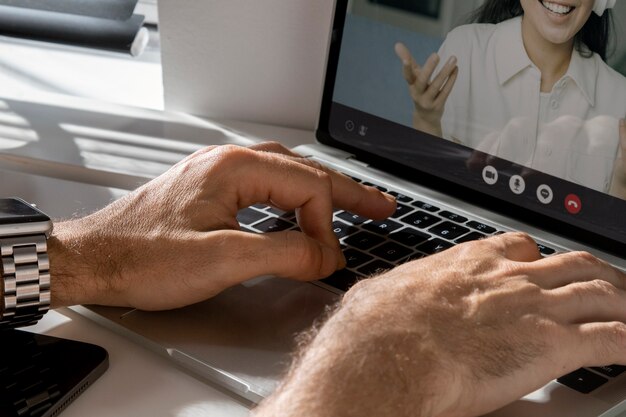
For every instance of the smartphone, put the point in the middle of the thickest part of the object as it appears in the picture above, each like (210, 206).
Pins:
(41, 375)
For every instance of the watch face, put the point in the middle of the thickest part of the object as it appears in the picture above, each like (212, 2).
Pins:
(13, 210)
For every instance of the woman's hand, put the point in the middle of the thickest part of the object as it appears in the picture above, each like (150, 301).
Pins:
(618, 183)
(429, 93)
(176, 240)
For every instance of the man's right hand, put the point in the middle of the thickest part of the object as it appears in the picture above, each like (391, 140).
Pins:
(460, 333)
(176, 240)
(429, 93)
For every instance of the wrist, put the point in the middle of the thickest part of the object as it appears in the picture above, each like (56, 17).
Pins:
(72, 279)
(422, 124)
(362, 364)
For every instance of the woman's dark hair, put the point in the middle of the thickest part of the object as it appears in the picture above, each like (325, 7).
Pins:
(594, 35)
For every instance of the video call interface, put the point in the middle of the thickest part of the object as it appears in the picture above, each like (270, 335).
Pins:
(529, 93)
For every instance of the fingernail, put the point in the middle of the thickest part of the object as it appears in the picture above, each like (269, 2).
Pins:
(452, 60)
(406, 62)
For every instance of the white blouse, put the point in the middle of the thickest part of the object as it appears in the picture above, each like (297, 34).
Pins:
(497, 106)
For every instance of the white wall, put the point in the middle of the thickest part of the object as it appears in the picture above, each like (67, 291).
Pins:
(261, 60)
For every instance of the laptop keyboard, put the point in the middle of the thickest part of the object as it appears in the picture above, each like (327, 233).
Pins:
(417, 229)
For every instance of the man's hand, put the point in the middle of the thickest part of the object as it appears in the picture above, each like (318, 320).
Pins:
(176, 241)
(429, 96)
(460, 333)
(618, 183)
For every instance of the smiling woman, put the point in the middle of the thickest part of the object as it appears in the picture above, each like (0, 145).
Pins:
(528, 82)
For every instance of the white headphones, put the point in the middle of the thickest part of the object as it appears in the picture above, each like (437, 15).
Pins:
(602, 5)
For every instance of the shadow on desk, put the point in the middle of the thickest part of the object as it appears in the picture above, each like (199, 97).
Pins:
(101, 144)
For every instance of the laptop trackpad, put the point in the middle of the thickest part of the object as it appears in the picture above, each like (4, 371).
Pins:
(246, 332)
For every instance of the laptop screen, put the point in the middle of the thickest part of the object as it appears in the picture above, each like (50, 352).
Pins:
(520, 100)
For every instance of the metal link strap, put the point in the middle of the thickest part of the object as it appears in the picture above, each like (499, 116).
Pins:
(26, 280)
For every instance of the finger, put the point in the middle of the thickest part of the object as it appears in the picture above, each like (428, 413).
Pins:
(348, 195)
(262, 177)
(562, 269)
(589, 301)
(440, 79)
(283, 254)
(441, 99)
(598, 344)
(423, 79)
(516, 246)
(408, 63)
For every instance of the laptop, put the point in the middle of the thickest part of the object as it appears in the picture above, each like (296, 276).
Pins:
(462, 181)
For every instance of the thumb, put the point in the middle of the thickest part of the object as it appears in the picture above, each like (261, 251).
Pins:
(287, 254)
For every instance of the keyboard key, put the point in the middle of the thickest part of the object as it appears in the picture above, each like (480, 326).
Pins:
(364, 240)
(351, 218)
(582, 380)
(355, 178)
(391, 251)
(355, 258)
(426, 206)
(435, 245)
(342, 230)
(401, 197)
(409, 236)
(342, 280)
(276, 211)
(453, 216)
(249, 216)
(611, 370)
(421, 219)
(544, 250)
(383, 227)
(273, 225)
(369, 184)
(401, 210)
(449, 230)
(289, 216)
(481, 227)
(470, 237)
(375, 267)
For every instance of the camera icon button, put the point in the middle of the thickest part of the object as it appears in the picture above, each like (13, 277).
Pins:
(490, 175)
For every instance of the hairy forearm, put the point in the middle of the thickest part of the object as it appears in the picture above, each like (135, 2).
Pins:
(69, 278)
(82, 264)
(359, 365)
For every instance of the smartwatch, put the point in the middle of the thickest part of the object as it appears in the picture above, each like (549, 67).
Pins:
(24, 231)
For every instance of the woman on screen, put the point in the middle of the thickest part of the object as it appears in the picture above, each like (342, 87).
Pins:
(528, 82)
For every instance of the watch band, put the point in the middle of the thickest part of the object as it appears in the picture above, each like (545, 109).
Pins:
(26, 279)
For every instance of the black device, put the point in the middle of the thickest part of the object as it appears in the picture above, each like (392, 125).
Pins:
(41, 375)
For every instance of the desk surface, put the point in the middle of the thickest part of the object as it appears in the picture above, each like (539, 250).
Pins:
(139, 382)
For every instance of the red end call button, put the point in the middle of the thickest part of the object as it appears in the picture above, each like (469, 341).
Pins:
(573, 204)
